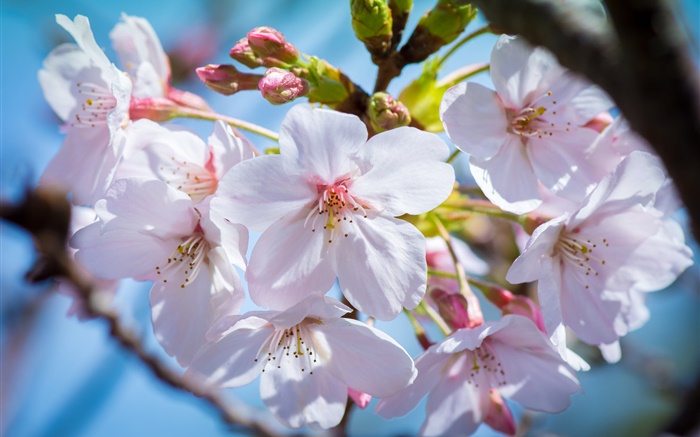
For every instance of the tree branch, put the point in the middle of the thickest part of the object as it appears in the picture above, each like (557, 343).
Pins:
(46, 215)
(642, 63)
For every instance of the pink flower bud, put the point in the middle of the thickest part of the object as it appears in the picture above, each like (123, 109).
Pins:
(226, 79)
(600, 122)
(386, 113)
(360, 398)
(242, 53)
(153, 108)
(267, 42)
(499, 416)
(280, 86)
(524, 306)
(457, 310)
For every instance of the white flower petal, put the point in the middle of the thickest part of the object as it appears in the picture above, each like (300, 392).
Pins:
(136, 43)
(297, 399)
(474, 119)
(321, 141)
(227, 148)
(381, 266)
(80, 31)
(65, 66)
(258, 192)
(288, 263)
(232, 238)
(508, 179)
(408, 175)
(529, 266)
(366, 359)
(230, 360)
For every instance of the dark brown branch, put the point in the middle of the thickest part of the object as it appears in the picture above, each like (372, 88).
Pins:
(46, 215)
(642, 64)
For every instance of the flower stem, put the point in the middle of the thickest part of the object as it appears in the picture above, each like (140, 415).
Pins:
(461, 42)
(240, 124)
(461, 275)
(436, 318)
(453, 156)
(421, 336)
(468, 206)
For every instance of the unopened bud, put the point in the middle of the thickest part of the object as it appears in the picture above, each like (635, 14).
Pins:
(524, 306)
(242, 53)
(280, 86)
(600, 122)
(360, 398)
(226, 79)
(157, 109)
(439, 26)
(386, 113)
(498, 416)
(372, 23)
(457, 310)
(269, 43)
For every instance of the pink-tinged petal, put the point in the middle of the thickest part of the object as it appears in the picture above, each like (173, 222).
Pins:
(660, 259)
(593, 314)
(430, 366)
(549, 292)
(562, 164)
(288, 263)
(408, 175)
(227, 148)
(232, 238)
(84, 164)
(297, 398)
(146, 206)
(227, 285)
(381, 266)
(529, 265)
(258, 192)
(182, 316)
(120, 254)
(321, 142)
(65, 66)
(521, 72)
(79, 29)
(230, 361)
(534, 373)
(359, 398)
(465, 339)
(474, 119)
(136, 42)
(634, 181)
(166, 145)
(366, 359)
(572, 100)
(638, 313)
(458, 404)
(508, 179)
(147, 83)
(314, 306)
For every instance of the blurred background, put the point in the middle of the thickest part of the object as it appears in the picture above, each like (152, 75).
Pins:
(62, 377)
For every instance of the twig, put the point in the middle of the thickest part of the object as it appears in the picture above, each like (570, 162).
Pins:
(45, 214)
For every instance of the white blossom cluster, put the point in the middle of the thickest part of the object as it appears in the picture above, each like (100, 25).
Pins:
(165, 206)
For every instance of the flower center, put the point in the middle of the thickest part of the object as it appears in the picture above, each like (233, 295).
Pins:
(290, 347)
(93, 111)
(185, 262)
(196, 181)
(485, 367)
(530, 123)
(582, 254)
(335, 209)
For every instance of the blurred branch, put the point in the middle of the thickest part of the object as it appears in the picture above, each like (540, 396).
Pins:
(641, 61)
(45, 214)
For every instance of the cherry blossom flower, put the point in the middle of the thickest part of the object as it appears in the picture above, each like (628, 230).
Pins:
(181, 159)
(529, 129)
(307, 357)
(458, 374)
(327, 205)
(92, 97)
(589, 263)
(151, 231)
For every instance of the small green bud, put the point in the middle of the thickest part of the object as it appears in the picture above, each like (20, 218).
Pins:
(371, 21)
(386, 113)
(325, 82)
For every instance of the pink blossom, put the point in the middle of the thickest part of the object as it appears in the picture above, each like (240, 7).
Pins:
(458, 374)
(327, 205)
(590, 262)
(530, 129)
(151, 231)
(307, 357)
